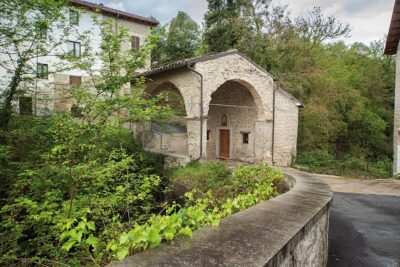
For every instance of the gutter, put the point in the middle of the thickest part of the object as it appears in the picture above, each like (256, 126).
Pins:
(201, 109)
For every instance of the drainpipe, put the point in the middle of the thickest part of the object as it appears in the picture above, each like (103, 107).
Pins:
(201, 109)
(273, 122)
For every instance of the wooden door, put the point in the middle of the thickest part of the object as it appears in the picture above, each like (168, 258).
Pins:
(224, 142)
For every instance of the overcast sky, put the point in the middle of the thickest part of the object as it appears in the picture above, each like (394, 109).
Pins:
(369, 19)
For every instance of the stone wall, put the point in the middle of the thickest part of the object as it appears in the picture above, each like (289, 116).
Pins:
(235, 97)
(289, 230)
(396, 128)
(286, 129)
(175, 144)
(230, 72)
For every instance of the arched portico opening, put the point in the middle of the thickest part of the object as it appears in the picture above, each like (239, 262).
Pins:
(169, 135)
(233, 111)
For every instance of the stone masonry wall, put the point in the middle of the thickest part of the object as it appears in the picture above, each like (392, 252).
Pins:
(287, 231)
(234, 68)
(309, 247)
(286, 129)
(396, 135)
(239, 120)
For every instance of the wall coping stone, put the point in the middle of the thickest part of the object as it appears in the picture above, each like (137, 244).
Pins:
(252, 237)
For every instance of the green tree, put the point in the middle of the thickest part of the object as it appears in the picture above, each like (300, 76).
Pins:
(28, 30)
(181, 41)
(90, 177)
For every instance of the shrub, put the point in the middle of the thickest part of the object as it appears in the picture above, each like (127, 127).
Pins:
(84, 189)
(319, 159)
(198, 212)
(203, 176)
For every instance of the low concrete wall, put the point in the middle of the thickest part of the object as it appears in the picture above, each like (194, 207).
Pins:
(289, 230)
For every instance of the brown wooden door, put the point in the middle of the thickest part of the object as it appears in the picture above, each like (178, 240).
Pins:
(224, 136)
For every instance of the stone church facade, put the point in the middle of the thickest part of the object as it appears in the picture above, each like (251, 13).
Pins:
(234, 110)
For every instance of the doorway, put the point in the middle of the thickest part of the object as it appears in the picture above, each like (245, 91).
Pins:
(224, 143)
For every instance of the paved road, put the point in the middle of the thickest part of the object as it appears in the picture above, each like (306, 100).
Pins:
(364, 223)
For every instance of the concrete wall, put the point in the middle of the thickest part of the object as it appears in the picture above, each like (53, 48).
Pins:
(289, 230)
(286, 129)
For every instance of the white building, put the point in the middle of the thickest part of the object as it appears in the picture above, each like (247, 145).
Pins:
(40, 95)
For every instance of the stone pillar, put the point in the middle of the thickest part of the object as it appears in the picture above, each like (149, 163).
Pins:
(263, 141)
(396, 128)
(193, 132)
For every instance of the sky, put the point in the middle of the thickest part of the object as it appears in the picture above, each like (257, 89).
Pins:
(369, 19)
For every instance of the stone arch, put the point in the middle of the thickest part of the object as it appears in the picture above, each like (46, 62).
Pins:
(242, 105)
(246, 85)
(167, 86)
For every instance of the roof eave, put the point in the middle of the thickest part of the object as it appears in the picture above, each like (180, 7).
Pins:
(114, 12)
(393, 37)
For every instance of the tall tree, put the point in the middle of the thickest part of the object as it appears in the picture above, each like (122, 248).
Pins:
(182, 40)
(228, 23)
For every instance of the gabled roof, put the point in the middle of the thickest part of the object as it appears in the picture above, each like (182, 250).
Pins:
(114, 12)
(394, 31)
(191, 61)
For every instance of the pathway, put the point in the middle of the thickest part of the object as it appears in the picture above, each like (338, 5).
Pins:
(365, 222)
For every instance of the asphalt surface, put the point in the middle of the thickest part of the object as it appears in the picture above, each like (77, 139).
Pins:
(364, 231)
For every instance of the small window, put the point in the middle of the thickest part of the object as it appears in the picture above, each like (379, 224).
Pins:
(75, 80)
(42, 31)
(245, 137)
(208, 134)
(25, 105)
(74, 49)
(224, 120)
(73, 17)
(42, 71)
(135, 43)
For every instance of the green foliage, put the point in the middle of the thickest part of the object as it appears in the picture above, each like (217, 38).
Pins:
(203, 176)
(352, 166)
(179, 220)
(85, 186)
(181, 41)
(76, 182)
(23, 40)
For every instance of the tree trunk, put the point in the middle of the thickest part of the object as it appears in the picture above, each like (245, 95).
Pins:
(12, 89)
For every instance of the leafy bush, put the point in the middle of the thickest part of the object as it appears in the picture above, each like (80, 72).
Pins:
(64, 205)
(351, 166)
(205, 176)
(197, 212)
(81, 194)
(318, 159)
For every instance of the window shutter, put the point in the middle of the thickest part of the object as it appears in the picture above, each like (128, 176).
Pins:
(135, 43)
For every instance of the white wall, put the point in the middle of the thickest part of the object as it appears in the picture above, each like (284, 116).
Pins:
(44, 88)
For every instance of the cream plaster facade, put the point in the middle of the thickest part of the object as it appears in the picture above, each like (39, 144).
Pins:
(47, 93)
(236, 87)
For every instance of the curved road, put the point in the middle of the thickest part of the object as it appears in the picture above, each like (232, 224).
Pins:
(365, 223)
